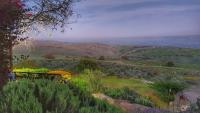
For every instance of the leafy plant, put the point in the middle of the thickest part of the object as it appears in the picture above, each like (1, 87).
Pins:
(94, 79)
(168, 89)
(87, 64)
(101, 58)
(49, 56)
(170, 64)
(44, 96)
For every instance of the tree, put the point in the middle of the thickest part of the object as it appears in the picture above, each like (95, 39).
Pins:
(168, 89)
(101, 58)
(170, 64)
(87, 64)
(49, 56)
(124, 57)
(17, 16)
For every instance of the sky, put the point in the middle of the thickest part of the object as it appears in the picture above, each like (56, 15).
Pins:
(110, 19)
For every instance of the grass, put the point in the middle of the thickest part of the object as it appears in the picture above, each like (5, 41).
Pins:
(137, 85)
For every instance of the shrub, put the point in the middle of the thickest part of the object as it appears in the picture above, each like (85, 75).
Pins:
(49, 56)
(44, 96)
(87, 64)
(124, 57)
(101, 58)
(82, 89)
(168, 89)
(19, 98)
(94, 79)
(170, 64)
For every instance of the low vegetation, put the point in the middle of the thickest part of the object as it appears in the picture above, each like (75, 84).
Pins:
(94, 81)
(44, 96)
(129, 95)
(141, 87)
(87, 64)
(168, 89)
(139, 76)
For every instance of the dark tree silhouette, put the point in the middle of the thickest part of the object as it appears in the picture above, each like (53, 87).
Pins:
(49, 56)
(18, 16)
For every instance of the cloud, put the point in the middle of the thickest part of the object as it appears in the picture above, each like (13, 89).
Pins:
(130, 18)
(106, 10)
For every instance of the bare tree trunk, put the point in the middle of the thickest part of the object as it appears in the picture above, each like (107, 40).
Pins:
(11, 58)
(4, 61)
(3, 67)
(3, 79)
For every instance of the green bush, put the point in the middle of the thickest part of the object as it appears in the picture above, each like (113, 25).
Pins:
(18, 97)
(94, 79)
(44, 96)
(168, 89)
(170, 64)
(87, 64)
(101, 58)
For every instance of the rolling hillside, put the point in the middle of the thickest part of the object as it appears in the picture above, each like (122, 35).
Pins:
(138, 55)
(40, 48)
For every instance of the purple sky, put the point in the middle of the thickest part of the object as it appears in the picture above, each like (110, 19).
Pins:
(130, 18)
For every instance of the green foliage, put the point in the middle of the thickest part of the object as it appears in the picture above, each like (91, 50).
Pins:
(94, 79)
(101, 58)
(84, 90)
(168, 89)
(170, 64)
(18, 97)
(127, 94)
(87, 64)
(44, 96)
(49, 56)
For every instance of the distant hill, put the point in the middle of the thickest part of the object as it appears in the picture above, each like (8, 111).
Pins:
(137, 55)
(40, 48)
(192, 41)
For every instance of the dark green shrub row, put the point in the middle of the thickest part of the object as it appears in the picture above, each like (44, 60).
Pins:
(130, 95)
(44, 96)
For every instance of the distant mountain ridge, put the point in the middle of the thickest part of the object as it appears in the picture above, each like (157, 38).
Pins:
(113, 49)
(41, 47)
(192, 41)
